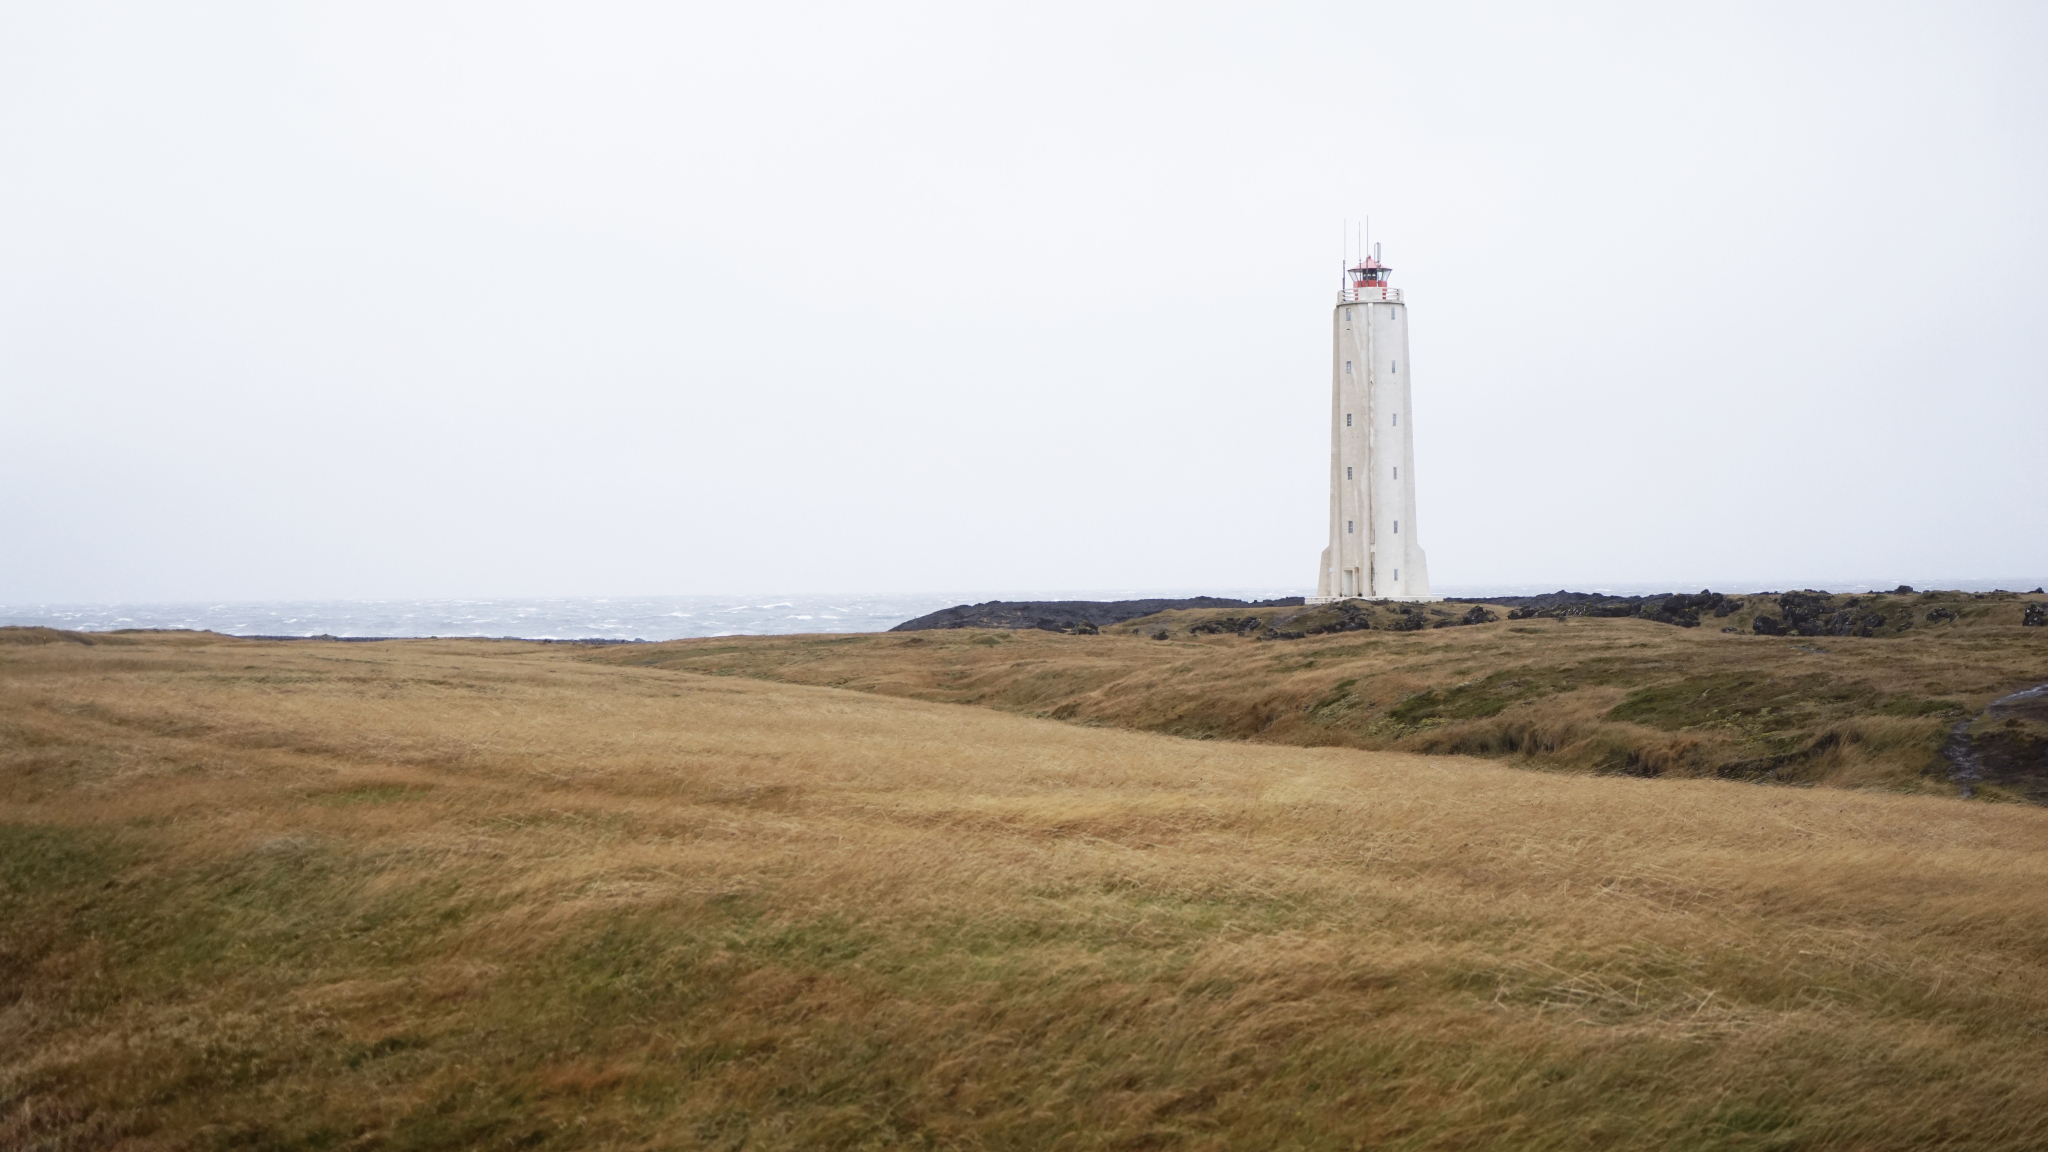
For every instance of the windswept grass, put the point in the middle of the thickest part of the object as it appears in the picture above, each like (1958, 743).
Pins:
(1626, 696)
(491, 895)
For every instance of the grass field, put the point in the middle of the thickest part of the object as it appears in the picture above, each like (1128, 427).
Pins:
(424, 894)
(1622, 696)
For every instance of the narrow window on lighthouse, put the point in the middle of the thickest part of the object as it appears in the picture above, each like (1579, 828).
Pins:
(1347, 367)
(1348, 524)
(1397, 419)
(1347, 471)
(1396, 367)
(1397, 527)
(1397, 471)
(1397, 573)
(1347, 419)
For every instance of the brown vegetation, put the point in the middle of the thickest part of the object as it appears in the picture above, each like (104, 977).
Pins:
(1625, 696)
(435, 894)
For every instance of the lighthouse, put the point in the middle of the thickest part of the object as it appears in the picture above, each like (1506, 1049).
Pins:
(1373, 552)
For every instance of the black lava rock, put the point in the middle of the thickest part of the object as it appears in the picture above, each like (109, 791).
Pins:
(1217, 627)
(1351, 617)
(1064, 615)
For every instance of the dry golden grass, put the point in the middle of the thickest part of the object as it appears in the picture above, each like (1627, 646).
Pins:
(495, 895)
(1605, 695)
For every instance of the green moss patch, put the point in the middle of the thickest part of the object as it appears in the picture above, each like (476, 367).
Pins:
(1733, 696)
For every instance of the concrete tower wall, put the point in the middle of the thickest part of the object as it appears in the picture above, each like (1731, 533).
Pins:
(1373, 551)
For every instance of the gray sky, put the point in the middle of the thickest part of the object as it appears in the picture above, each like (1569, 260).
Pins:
(412, 300)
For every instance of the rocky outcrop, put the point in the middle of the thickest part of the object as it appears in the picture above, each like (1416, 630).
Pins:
(1676, 608)
(1365, 615)
(1343, 616)
(1242, 626)
(2007, 745)
(1816, 614)
(1070, 615)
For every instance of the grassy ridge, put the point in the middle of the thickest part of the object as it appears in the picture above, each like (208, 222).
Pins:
(1619, 695)
(428, 894)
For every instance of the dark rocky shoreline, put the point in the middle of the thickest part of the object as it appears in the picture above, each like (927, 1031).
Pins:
(1797, 613)
(1084, 615)
(1070, 615)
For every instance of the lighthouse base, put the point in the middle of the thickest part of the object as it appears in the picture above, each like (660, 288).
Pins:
(1309, 600)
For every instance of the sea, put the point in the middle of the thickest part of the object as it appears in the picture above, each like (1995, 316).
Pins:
(554, 618)
(681, 617)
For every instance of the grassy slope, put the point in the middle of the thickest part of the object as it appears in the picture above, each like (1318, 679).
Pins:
(492, 895)
(1609, 695)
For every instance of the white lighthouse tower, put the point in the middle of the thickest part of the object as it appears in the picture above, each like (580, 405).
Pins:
(1373, 553)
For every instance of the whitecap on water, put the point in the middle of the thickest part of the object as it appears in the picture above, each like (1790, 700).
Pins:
(553, 618)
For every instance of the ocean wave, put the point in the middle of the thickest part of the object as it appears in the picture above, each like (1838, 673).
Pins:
(558, 618)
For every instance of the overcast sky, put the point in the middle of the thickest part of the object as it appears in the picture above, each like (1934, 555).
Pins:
(361, 300)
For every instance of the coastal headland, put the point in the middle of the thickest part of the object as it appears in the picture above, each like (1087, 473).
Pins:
(1902, 689)
(1069, 615)
(970, 887)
